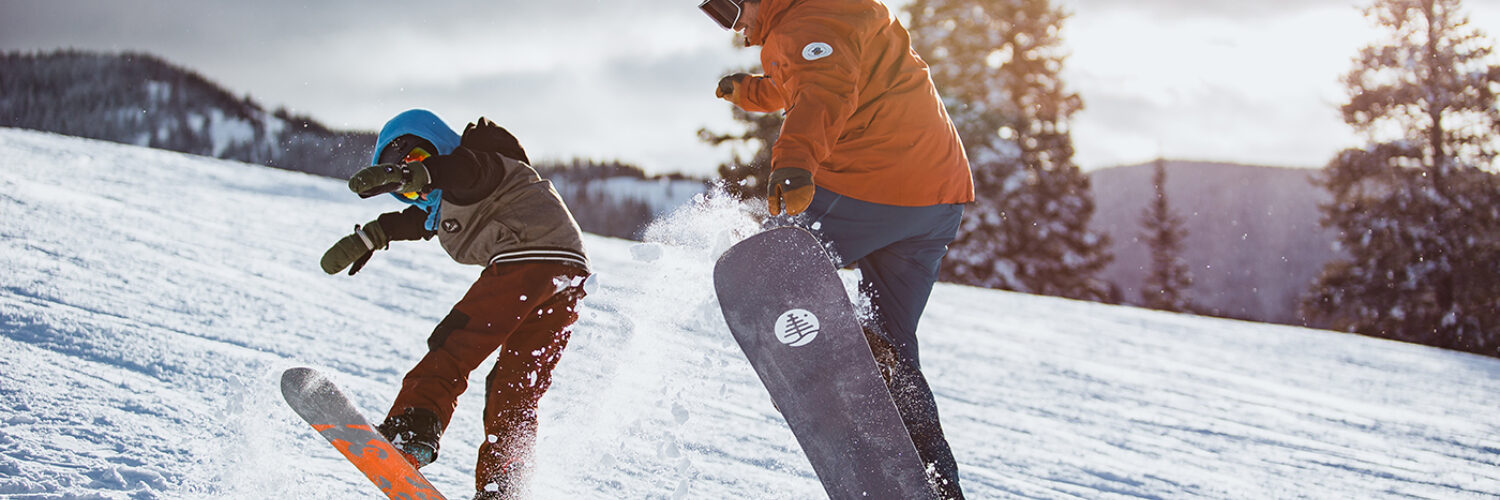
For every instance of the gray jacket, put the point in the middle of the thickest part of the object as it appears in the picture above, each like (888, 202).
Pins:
(523, 219)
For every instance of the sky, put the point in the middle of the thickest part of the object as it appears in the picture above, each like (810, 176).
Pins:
(1218, 80)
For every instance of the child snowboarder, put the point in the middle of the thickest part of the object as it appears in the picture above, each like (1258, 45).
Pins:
(488, 207)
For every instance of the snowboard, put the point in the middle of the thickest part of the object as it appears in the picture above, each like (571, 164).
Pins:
(318, 401)
(787, 308)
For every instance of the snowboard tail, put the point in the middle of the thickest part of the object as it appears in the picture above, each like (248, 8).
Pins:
(787, 308)
(319, 402)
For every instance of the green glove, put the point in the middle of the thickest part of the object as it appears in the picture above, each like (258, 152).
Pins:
(789, 187)
(410, 177)
(355, 249)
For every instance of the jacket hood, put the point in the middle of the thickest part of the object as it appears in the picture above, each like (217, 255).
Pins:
(425, 124)
(770, 13)
(421, 123)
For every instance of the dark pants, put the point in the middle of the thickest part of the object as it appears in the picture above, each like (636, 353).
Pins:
(522, 310)
(898, 251)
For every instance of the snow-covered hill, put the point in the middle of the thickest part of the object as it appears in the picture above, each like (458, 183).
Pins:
(149, 300)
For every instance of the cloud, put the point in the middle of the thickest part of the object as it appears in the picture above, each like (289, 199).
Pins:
(1209, 122)
(644, 111)
(1212, 89)
(1207, 9)
(593, 78)
(629, 80)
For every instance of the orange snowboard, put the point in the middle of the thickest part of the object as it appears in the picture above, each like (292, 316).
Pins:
(323, 406)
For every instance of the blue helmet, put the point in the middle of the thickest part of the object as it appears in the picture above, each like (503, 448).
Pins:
(427, 127)
(421, 123)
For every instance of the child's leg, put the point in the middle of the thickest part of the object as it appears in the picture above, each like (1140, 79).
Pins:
(503, 298)
(522, 374)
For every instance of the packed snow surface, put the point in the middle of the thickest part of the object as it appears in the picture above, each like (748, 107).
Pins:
(150, 300)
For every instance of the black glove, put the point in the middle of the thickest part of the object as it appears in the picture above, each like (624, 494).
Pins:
(375, 180)
(791, 187)
(406, 225)
(355, 249)
(487, 136)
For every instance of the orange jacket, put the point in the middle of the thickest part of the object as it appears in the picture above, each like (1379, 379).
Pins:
(862, 113)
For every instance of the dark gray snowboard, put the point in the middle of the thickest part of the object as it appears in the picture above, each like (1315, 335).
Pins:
(786, 306)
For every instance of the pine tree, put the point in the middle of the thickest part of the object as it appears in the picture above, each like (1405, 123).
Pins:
(1167, 284)
(746, 179)
(1418, 208)
(997, 63)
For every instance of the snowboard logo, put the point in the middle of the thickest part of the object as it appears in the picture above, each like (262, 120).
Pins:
(797, 327)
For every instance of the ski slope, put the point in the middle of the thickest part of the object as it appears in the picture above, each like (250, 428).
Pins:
(149, 301)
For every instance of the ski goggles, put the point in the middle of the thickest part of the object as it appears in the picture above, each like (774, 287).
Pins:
(406, 149)
(400, 149)
(416, 154)
(724, 12)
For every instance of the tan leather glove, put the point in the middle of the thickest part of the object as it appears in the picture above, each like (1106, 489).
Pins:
(790, 188)
(729, 87)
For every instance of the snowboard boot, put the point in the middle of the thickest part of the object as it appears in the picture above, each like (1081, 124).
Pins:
(415, 433)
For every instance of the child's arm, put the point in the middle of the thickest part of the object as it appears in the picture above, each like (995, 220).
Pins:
(406, 225)
(464, 176)
(354, 250)
(473, 171)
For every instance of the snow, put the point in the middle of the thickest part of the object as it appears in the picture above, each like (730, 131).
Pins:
(660, 194)
(228, 132)
(276, 128)
(158, 92)
(150, 301)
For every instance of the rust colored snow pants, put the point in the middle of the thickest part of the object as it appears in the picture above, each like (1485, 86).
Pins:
(522, 310)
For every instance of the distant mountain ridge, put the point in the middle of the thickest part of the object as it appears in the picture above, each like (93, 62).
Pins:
(140, 99)
(1254, 244)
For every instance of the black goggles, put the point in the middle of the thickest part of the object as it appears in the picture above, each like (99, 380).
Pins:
(724, 12)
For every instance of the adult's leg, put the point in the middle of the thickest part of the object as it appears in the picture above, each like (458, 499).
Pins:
(918, 408)
(900, 278)
(899, 251)
(849, 228)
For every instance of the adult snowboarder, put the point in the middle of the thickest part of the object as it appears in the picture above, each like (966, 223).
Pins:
(488, 207)
(869, 161)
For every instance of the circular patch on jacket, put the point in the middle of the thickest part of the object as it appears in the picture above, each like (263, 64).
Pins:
(816, 50)
(451, 225)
